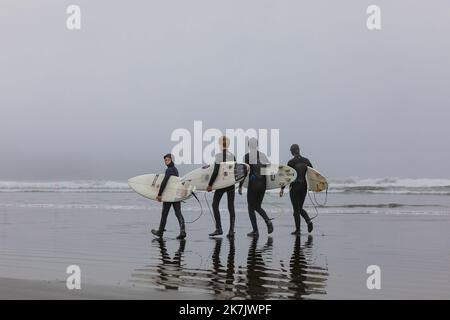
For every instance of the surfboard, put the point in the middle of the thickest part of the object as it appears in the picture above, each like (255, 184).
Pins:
(229, 174)
(316, 182)
(277, 176)
(147, 185)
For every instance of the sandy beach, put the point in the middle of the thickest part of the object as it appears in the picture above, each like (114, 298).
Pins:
(107, 236)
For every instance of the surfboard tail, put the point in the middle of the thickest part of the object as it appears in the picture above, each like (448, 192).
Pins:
(240, 171)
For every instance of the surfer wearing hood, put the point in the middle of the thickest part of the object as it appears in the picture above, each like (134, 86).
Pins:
(224, 156)
(170, 171)
(256, 186)
(299, 188)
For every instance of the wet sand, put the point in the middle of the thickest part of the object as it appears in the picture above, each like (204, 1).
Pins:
(19, 289)
(108, 236)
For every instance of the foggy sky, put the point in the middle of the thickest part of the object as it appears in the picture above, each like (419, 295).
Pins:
(102, 102)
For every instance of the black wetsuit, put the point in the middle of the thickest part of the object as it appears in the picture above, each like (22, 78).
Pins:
(299, 188)
(222, 157)
(256, 187)
(170, 171)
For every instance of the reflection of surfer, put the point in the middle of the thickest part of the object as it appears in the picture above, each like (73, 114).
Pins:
(299, 188)
(256, 186)
(218, 269)
(170, 270)
(170, 171)
(301, 283)
(230, 265)
(256, 270)
(297, 268)
(216, 265)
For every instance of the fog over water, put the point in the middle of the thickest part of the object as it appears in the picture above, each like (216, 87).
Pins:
(102, 102)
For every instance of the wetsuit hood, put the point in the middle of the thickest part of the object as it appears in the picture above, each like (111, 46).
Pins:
(295, 150)
(171, 164)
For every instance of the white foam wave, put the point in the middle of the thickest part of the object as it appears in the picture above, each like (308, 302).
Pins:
(64, 186)
(391, 182)
(391, 185)
(348, 185)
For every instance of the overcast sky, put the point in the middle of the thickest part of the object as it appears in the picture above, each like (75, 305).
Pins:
(102, 102)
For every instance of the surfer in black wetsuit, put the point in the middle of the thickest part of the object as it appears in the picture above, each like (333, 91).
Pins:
(299, 188)
(224, 156)
(256, 186)
(170, 171)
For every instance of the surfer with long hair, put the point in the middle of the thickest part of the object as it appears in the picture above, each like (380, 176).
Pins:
(223, 156)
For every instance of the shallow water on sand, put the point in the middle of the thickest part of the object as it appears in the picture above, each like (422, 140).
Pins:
(107, 235)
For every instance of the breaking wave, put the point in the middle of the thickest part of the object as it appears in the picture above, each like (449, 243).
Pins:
(391, 186)
(64, 186)
(348, 185)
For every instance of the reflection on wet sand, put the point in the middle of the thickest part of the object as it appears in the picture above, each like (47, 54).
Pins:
(258, 278)
(305, 279)
(223, 278)
(258, 274)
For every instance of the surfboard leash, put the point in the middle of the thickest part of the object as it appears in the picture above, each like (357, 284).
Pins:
(274, 205)
(201, 209)
(210, 211)
(326, 199)
(316, 204)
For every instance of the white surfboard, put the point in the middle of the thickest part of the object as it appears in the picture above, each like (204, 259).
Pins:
(229, 174)
(277, 176)
(147, 185)
(316, 182)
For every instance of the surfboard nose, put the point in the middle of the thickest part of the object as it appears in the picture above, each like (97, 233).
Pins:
(132, 182)
(240, 171)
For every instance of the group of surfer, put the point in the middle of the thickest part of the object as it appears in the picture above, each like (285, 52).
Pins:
(255, 191)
